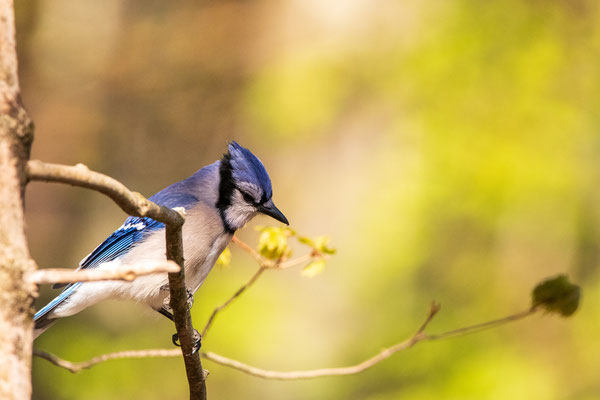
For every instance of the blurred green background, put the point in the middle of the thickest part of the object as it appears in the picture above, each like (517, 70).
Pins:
(449, 148)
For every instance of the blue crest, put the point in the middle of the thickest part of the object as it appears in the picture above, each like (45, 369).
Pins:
(246, 167)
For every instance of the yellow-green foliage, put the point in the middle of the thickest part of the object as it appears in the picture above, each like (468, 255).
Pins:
(273, 245)
(319, 244)
(273, 242)
(314, 268)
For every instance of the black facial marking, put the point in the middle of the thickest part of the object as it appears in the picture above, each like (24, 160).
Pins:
(226, 187)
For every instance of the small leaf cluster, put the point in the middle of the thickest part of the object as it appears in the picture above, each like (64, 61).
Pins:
(319, 244)
(557, 295)
(273, 246)
(273, 242)
(320, 249)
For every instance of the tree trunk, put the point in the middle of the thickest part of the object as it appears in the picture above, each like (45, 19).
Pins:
(16, 294)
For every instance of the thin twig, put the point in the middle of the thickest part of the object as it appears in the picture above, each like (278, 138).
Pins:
(483, 326)
(434, 308)
(248, 249)
(237, 294)
(107, 273)
(296, 261)
(264, 264)
(418, 337)
(78, 366)
(279, 264)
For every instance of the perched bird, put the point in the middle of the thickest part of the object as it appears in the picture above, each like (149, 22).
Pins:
(219, 199)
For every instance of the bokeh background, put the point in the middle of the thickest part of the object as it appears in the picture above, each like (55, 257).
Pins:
(449, 148)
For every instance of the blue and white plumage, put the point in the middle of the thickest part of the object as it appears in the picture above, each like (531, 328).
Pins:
(219, 199)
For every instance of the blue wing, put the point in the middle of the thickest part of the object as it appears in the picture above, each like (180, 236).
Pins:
(133, 231)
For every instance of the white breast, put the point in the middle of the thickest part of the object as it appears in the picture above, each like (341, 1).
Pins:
(204, 240)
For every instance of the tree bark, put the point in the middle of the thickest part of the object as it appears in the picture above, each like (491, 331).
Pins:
(16, 293)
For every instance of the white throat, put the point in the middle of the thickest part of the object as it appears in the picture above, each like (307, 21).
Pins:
(239, 212)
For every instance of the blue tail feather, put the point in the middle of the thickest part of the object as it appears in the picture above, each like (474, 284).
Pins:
(40, 316)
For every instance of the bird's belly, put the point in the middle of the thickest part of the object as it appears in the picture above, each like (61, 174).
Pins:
(199, 261)
(197, 266)
(200, 256)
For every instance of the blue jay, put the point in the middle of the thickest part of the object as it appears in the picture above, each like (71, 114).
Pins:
(219, 199)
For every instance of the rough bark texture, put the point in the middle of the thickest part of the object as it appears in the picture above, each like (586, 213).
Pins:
(16, 296)
(182, 317)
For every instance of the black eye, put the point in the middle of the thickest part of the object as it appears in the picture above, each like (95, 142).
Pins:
(247, 198)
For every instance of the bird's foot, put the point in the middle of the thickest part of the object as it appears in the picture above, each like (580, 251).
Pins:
(190, 297)
(197, 341)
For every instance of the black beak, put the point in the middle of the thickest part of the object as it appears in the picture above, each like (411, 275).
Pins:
(269, 209)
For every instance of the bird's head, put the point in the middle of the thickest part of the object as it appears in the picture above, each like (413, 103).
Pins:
(244, 189)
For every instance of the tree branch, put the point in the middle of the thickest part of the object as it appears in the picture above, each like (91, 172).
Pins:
(132, 203)
(321, 372)
(419, 336)
(483, 326)
(135, 204)
(248, 249)
(75, 367)
(181, 315)
(108, 273)
(296, 261)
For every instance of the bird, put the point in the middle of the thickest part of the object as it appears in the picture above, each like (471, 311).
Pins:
(218, 199)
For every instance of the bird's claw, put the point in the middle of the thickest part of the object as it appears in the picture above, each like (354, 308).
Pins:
(189, 300)
(197, 341)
